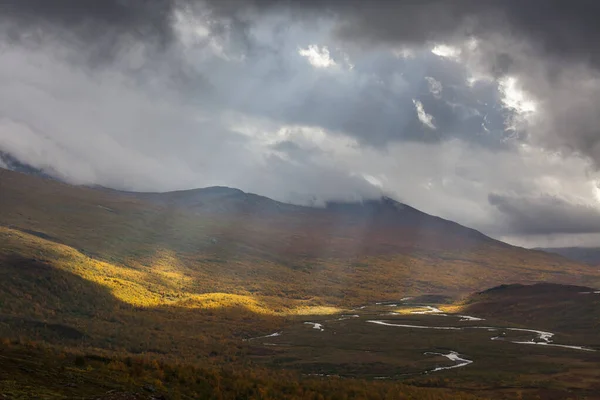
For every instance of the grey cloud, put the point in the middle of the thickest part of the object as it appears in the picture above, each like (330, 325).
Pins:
(542, 42)
(561, 28)
(550, 46)
(558, 27)
(546, 214)
(296, 151)
(105, 128)
(90, 20)
(565, 95)
(314, 183)
(569, 105)
(373, 103)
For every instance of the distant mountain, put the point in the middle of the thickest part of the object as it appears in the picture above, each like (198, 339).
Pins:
(587, 255)
(227, 241)
(377, 214)
(216, 199)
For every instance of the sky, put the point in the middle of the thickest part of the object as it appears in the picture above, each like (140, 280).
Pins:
(480, 111)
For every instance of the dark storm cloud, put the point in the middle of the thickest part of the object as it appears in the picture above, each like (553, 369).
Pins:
(376, 102)
(550, 45)
(100, 32)
(91, 19)
(546, 215)
(552, 49)
(376, 114)
(564, 28)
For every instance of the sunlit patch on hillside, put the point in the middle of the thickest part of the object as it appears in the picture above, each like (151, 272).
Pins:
(407, 310)
(168, 267)
(451, 308)
(161, 284)
(314, 310)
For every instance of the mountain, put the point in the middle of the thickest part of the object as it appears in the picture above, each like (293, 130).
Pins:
(224, 240)
(586, 255)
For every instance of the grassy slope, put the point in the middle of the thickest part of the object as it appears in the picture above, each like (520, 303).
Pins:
(325, 256)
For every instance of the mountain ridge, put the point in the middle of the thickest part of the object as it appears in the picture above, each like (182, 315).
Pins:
(180, 198)
(190, 198)
(239, 243)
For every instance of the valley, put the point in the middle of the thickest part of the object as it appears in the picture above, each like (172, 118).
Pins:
(436, 349)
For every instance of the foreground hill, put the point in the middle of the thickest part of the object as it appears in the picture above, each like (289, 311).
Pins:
(34, 371)
(224, 240)
(586, 255)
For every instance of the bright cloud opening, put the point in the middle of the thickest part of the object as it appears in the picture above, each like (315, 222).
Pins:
(425, 118)
(318, 57)
(443, 50)
(515, 97)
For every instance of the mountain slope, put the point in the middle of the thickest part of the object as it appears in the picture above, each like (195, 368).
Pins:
(587, 255)
(223, 240)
